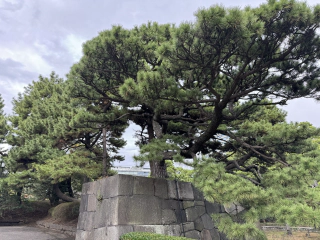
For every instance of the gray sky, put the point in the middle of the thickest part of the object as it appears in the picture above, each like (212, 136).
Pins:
(40, 36)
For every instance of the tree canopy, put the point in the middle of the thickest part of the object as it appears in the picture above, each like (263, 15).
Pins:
(209, 88)
(198, 79)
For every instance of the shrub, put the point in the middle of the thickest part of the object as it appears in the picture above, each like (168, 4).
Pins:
(148, 236)
(66, 211)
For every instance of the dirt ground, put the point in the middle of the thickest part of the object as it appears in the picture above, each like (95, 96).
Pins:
(282, 235)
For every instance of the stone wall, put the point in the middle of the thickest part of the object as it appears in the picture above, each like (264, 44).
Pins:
(116, 205)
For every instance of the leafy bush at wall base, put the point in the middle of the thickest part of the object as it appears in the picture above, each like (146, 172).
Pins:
(148, 236)
(66, 211)
(8, 201)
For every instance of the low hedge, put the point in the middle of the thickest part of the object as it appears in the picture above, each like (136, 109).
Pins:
(149, 236)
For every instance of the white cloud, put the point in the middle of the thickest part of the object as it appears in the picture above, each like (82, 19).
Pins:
(31, 59)
(11, 5)
(73, 45)
(13, 86)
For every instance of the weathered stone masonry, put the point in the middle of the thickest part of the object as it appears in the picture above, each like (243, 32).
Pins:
(116, 205)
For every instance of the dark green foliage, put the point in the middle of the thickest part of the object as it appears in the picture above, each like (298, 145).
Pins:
(148, 236)
(8, 200)
(55, 138)
(183, 85)
(3, 133)
(3, 129)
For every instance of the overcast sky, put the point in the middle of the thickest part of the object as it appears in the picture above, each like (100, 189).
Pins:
(40, 36)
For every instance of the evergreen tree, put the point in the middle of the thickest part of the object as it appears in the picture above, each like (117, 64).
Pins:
(210, 88)
(195, 74)
(3, 133)
(227, 56)
(46, 144)
(109, 59)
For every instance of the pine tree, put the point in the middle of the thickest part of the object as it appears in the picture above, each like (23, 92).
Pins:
(3, 133)
(46, 144)
(195, 74)
(109, 59)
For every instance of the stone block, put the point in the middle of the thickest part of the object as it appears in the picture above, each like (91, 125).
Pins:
(161, 188)
(212, 207)
(84, 235)
(198, 224)
(168, 216)
(143, 186)
(85, 187)
(193, 213)
(125, 186)
(199, 203)
(113, 211)
(187, 204)
(78, 234)
(139, 209)
(100, 233)
(205, 235)
(118, 185)
(88, 220)
(114, 232)
(188, 226)
(194, 234)
(83, 203)
(103, 210)
(172, 189)
(92, 203)
(107, 188)
(81, 221)
(170, 204)
(172, 230)
(198, 195)
(149, 228)
(215, 234)
(207, 221)
(223, 210)
(97, 187)
(91, 187)
(181, 216)
(185, 191)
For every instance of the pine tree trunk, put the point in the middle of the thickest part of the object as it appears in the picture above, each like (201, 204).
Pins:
(61, 195)
(158, 169)
(104, 154)
(19, 194)
(69, 186)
